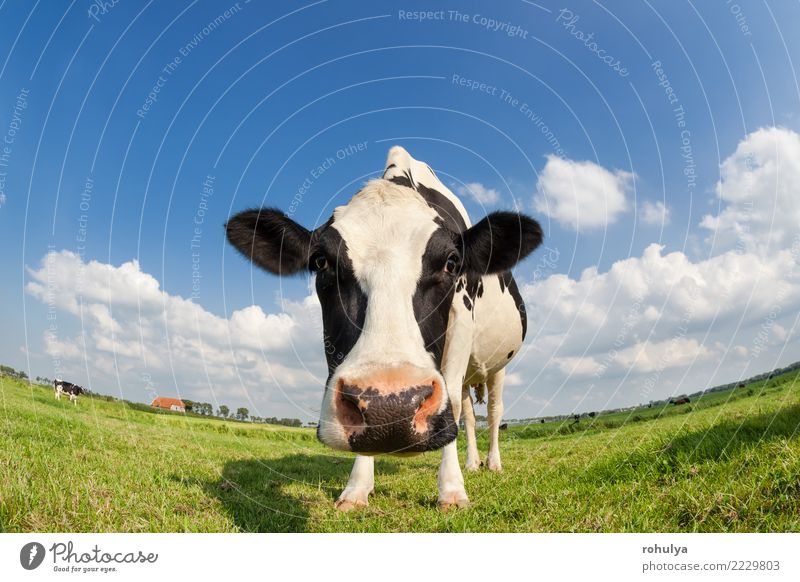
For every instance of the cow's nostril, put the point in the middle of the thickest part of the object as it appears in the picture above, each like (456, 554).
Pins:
(429, 405)
(350, 406)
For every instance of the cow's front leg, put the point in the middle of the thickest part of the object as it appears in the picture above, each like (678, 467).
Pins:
(359, 485)
(468, 413)
(495, 417)
(451, 481)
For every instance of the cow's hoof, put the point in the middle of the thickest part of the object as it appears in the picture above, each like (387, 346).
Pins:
(495, 466)
(352, 499)
(346, 505)
(453, 500)
(472, 465)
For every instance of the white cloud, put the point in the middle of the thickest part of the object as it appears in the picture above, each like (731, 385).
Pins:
(655, 325)
(130, 328)
(581, 195)
(759, 188)
(654, 213)
(479, 193)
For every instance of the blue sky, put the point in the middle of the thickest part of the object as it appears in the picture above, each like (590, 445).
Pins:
(250, 102)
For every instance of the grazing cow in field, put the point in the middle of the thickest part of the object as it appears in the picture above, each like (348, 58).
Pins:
(68, 388)
(417, 305)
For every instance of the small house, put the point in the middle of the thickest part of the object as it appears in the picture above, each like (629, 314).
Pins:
(169, 404)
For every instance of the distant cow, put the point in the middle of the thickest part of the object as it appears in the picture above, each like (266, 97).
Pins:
(62, 387)
(682, 400)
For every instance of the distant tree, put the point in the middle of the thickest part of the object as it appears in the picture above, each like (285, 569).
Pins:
(242, 413)
(223, 411)
(189, 405)
(7, 371)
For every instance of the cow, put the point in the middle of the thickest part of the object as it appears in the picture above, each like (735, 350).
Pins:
(417, 305)
(62, 387)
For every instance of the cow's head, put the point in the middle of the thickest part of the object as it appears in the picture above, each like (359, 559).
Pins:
(386, 267)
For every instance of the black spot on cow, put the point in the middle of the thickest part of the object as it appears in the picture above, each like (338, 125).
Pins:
(510, 354)
(505, 280)
(344, 304)
(444, 207)
(401, 181)
(434, 294)
(467, 302)
(474, 285)
(520, 304)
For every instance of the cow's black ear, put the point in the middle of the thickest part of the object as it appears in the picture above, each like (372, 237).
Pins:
(500, 241)
(270, 239)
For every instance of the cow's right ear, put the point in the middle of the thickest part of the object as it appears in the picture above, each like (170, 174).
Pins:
(270, 239)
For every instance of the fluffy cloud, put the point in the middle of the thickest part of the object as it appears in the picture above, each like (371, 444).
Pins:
(664, 322)
(479, 193)
(759, 187)
(131, 330)
(581, 195)
(654, 213)
(654, 325)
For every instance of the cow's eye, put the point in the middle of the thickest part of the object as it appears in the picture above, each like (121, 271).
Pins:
(318, 263)
(451, 265)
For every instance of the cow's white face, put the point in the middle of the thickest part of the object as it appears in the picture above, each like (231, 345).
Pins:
(386, 270)
(386, 394)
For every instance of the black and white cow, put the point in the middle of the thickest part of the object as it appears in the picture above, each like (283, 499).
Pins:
(417, 304)
(69, 388)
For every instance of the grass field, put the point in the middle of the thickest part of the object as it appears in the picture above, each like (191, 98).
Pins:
(730, 462)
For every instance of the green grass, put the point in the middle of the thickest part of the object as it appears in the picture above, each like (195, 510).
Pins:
(729, 462)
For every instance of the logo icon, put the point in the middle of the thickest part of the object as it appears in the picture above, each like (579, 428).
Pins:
(31, 555)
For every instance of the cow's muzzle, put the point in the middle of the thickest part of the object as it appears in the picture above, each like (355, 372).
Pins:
(392, 413)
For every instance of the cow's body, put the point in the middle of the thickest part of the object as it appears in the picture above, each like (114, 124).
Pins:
(418, 304)
(72, 390)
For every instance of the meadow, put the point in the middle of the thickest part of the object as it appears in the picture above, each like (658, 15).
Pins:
(729, 462)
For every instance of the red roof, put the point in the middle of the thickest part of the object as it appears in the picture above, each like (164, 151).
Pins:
(164, 402)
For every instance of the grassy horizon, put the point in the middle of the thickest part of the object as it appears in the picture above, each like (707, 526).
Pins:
(728, 462)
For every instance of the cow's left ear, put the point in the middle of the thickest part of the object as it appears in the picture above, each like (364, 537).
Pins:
(499, 241)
